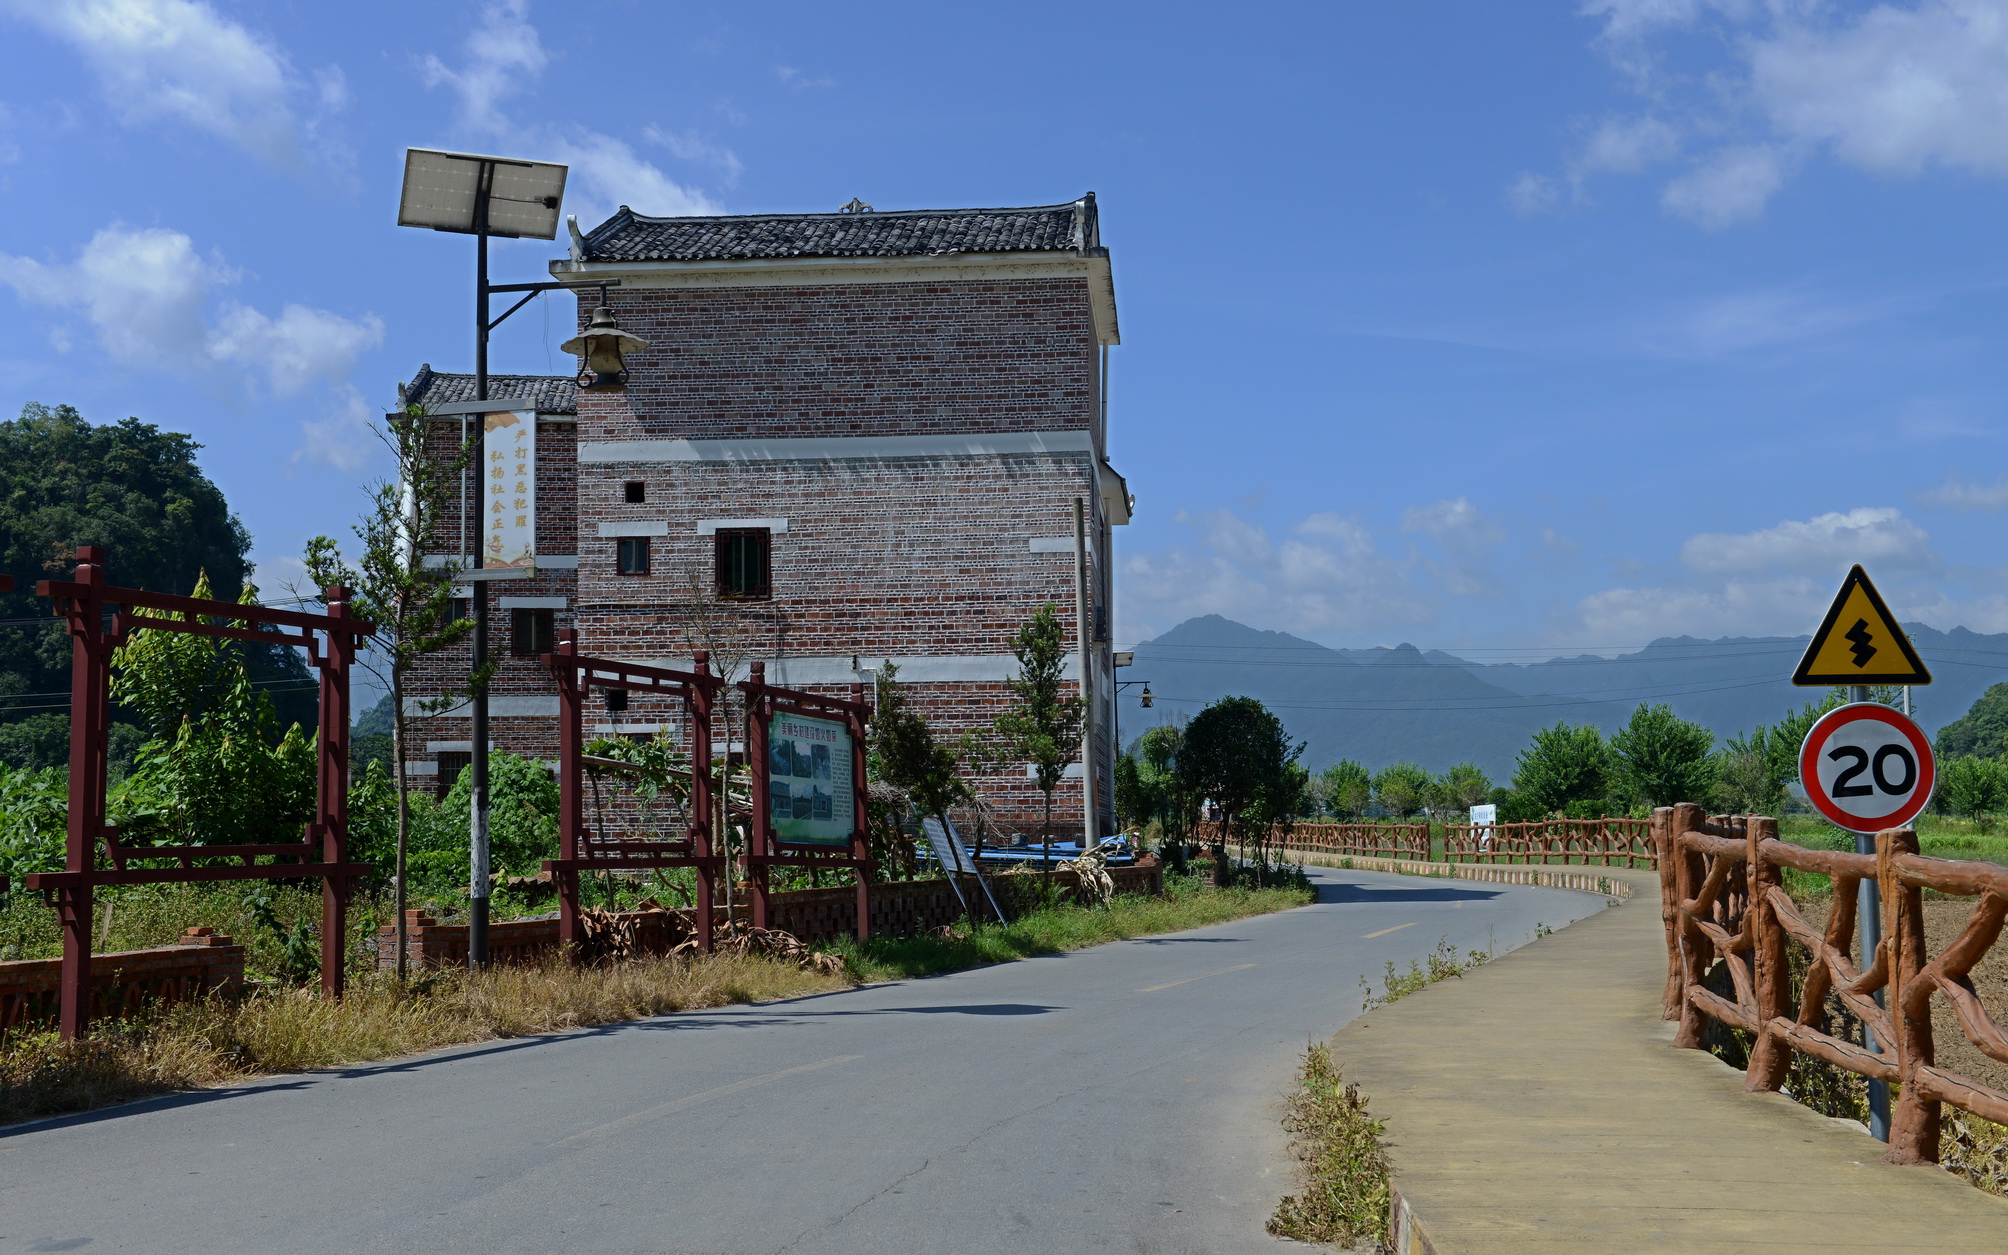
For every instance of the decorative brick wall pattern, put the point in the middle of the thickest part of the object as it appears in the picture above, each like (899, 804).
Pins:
(899, 909)
(204, 962)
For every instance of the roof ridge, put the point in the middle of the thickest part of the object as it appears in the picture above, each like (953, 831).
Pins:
(838, 214)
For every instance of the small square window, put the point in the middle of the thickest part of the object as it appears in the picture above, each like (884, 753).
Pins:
(743, 565)
(633, 555)
(532, 632)
(457, 609)
(450, 767)
(637, 492)
(616, 700)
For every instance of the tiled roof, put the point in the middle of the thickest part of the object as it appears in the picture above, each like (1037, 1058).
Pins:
(555, 394)
(629, 236)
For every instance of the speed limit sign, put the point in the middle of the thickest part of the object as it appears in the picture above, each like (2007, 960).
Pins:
(1867, 767)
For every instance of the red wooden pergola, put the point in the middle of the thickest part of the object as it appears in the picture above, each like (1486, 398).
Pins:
(582, 849)
(767, 849)
(331, 641)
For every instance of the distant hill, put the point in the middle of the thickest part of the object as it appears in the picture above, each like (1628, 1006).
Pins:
(1383, 705)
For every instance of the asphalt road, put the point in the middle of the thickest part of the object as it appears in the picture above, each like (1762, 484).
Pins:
(1123, 1098)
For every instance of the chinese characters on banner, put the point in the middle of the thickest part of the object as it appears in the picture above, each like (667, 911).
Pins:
(509, 536)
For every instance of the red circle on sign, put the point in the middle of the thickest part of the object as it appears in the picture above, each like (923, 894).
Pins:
(1822, 733)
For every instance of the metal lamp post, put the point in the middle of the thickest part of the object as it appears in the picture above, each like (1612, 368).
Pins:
(471, 194)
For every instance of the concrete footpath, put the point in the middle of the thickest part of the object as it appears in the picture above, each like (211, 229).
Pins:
(1538, 1104)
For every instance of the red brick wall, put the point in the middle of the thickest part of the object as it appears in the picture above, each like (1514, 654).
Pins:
(123, 981)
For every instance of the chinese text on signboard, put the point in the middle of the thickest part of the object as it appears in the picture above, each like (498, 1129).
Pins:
(809, 780)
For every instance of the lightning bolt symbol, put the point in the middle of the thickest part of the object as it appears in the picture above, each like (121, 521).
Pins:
(1861, 636)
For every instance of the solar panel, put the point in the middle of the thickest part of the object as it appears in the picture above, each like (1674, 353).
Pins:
(442, 191)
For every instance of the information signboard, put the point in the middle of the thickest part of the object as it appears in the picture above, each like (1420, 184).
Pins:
(809, 780)
(509, 479)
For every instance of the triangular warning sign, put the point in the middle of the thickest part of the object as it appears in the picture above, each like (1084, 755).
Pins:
(1859, 642)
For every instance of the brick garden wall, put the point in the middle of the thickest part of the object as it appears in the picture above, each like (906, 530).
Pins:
(203, 962)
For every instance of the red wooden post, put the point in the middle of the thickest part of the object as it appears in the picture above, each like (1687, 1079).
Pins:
(331, 800)
(90, 700)
(572, 691)
(759, 832)
(861, 848)
(700, 797)
(1915, 1124)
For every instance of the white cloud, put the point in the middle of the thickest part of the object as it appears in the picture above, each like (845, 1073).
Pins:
(1327, 574)
(300, 346)
(688, 145)
(1967, 497)
(794, 78)
(1824, 543)
(502, 57)
(1731, 185)
(1532, 194)
(343, 437)
(183, 62)
(1897, 90)
(1740, 607)
(1627, 145)
(144, 296)
(1455, 524)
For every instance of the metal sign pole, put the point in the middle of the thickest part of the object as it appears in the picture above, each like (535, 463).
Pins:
(1868, 931)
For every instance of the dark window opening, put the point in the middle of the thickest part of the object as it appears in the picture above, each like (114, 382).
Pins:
(637, 492)
(532, 632)
(616, 700)
(456, 609)
(633, 556)
(743, 562)
(450, 767)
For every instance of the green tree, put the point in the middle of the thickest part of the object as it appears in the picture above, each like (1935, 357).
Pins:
(1982, 731)
(1462, 787)
(1236, 753)
(410, 604)
(905, 754)
(1044, 728)
(522, 812)
(1401, 788)
(1973, 787)
(136, 490)
(1169, 802)
(1564, 764)
(1661, 758)
(215, 768)
(1345, 788)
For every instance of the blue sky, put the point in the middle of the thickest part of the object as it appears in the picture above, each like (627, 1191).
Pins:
(1516, 328)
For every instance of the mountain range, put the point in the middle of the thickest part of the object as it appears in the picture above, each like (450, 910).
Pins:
(1384, 705)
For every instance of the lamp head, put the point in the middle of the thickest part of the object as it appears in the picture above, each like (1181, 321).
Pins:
(603, 345)
(1144, 698)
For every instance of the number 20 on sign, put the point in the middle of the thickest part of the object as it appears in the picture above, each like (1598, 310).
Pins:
(1867, 767)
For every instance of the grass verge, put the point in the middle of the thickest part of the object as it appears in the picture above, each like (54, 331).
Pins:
(1058, 929)
(1338, 1147)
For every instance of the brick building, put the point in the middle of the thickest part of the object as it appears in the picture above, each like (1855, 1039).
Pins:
(852, 437)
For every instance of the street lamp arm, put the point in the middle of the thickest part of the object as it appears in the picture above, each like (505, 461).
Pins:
(534, 290)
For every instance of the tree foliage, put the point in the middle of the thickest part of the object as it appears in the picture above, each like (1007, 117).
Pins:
(906, 754)
(1563, 764)
(1660, 758)
(1973, 787)
(1044, 727)
(1402, 788)
(1982, 731)
(136, 490)
(522, 814)
(1344, 789)
(1237, 753)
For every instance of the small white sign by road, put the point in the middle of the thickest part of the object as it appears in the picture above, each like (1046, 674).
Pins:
(1867, 767)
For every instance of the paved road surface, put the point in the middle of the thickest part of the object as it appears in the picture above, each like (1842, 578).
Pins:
(1116, 1099)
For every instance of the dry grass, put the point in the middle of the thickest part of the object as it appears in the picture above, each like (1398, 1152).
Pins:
(1344, 1163)
(211, 1043)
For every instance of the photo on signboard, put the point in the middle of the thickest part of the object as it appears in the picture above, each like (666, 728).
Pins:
(781, 757)
(809, 777)
(782, 806)
(801, 767)
(805, 806)
(821, 805)
(819, 760)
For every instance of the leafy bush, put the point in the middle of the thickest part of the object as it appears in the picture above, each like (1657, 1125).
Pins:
(522, 815)
(34, 806)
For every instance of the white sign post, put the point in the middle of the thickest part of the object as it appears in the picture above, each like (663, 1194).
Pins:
(509, 479)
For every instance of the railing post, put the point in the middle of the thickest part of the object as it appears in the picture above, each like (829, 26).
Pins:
(573, 690)
(1914, 1125)
(1694, 944)
(1660, 831)
(90, 700)
(701, 703)
(1770, 1057)
(331, 801)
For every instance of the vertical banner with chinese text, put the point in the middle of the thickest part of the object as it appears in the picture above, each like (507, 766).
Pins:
(510, 511)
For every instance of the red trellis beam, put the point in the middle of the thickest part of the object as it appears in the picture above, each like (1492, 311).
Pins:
(331, 641)
(582, 850)
(766, 849)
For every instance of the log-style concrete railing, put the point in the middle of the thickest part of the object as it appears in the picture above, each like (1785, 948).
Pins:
(1610, 842)
(1613, 842)
(1723, 900)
